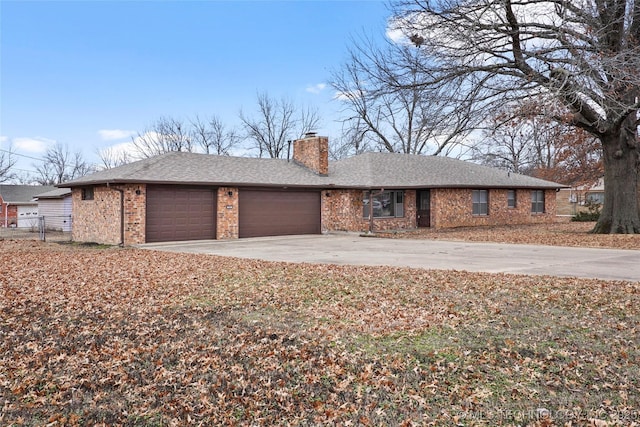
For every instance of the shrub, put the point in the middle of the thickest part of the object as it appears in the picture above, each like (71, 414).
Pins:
(593, 213)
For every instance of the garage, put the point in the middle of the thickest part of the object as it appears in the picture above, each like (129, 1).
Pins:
(27, 216)
(278, 212)
(180, 213)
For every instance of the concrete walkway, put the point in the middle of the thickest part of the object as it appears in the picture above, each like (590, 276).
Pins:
(431, 254)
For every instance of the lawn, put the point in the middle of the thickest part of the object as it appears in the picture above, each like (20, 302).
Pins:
(110, 336)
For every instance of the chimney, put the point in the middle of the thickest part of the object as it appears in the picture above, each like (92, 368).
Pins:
(312, 152)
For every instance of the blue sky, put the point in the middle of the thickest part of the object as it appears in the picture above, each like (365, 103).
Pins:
(70, 71)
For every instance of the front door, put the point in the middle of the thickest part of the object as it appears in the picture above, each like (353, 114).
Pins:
(424, 208)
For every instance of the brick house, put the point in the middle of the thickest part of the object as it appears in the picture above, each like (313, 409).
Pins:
(18, 206)
(188, 196)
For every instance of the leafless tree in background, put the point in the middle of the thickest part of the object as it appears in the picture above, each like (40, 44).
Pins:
(276, 123)
(165, 135)
(111, 157)
(61, 165)
(213, 137)
(584, 54)
(381, 89)
(7, 161)
(353, 140)
(525, 138)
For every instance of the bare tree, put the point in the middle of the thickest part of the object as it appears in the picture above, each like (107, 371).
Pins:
(525, 138)
(383, 97)
(213, 137)
(506, 146)
(111, 158)
(584, 54)
(276, 123)
(7, 162)
(61, 165)
(165, 135)
(353, 140)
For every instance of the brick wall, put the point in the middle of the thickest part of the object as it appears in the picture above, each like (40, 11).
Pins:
(313, 153)
(8, 214)
(98, 220)
(453, 208)
(228, 219)
(135, 213)
(342, 210)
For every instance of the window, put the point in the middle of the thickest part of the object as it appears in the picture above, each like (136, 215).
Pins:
(386, 204)
(511, 198)
(595, 198)
(87, 193)
(480, 200)
(537, 201)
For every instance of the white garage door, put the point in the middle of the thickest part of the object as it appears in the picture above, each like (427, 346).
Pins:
(27, 216)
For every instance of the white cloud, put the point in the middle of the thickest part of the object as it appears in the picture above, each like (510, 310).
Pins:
(117, 154)
(396, 35)
(115, 134)
(317, 88)
(348, 96)
(4, 138)
(129, 148)
(33, 145)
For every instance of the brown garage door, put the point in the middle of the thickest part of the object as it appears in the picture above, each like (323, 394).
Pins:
(180, 213)
(276, 213)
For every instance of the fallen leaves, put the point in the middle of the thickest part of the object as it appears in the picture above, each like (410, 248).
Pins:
(129, 337)
(559, 234)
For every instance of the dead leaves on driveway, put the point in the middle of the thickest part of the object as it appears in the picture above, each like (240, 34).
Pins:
(129, 337)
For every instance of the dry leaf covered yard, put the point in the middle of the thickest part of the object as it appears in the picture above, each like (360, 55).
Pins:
(130, 337)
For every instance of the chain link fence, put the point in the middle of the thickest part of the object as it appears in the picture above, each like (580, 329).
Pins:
(50, 228)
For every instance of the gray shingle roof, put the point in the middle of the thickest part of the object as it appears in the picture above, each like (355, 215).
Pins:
(392, 170)
(56, 193)
(201, 169)
(369, 170)
(22, 193)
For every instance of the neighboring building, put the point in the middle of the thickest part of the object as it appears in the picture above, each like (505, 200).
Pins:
(574, 200)
(188, 196)
(571, 201)
(18, 208)
(54, 207)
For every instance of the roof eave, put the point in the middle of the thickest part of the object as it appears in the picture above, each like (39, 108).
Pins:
(194, 183)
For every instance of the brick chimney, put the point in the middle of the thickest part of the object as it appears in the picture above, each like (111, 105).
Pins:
(312, 152)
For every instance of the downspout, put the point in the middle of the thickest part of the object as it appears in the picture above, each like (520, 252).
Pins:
(121, 191)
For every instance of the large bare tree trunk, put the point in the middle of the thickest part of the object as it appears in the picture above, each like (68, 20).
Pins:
(620, 212)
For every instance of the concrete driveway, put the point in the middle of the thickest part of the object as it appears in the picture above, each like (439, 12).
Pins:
(488, 257)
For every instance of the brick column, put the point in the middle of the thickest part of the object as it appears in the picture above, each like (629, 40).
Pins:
(227, 217)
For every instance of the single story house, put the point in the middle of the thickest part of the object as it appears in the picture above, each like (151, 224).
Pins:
(189, 196)
(55, 209)
(18, 206)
